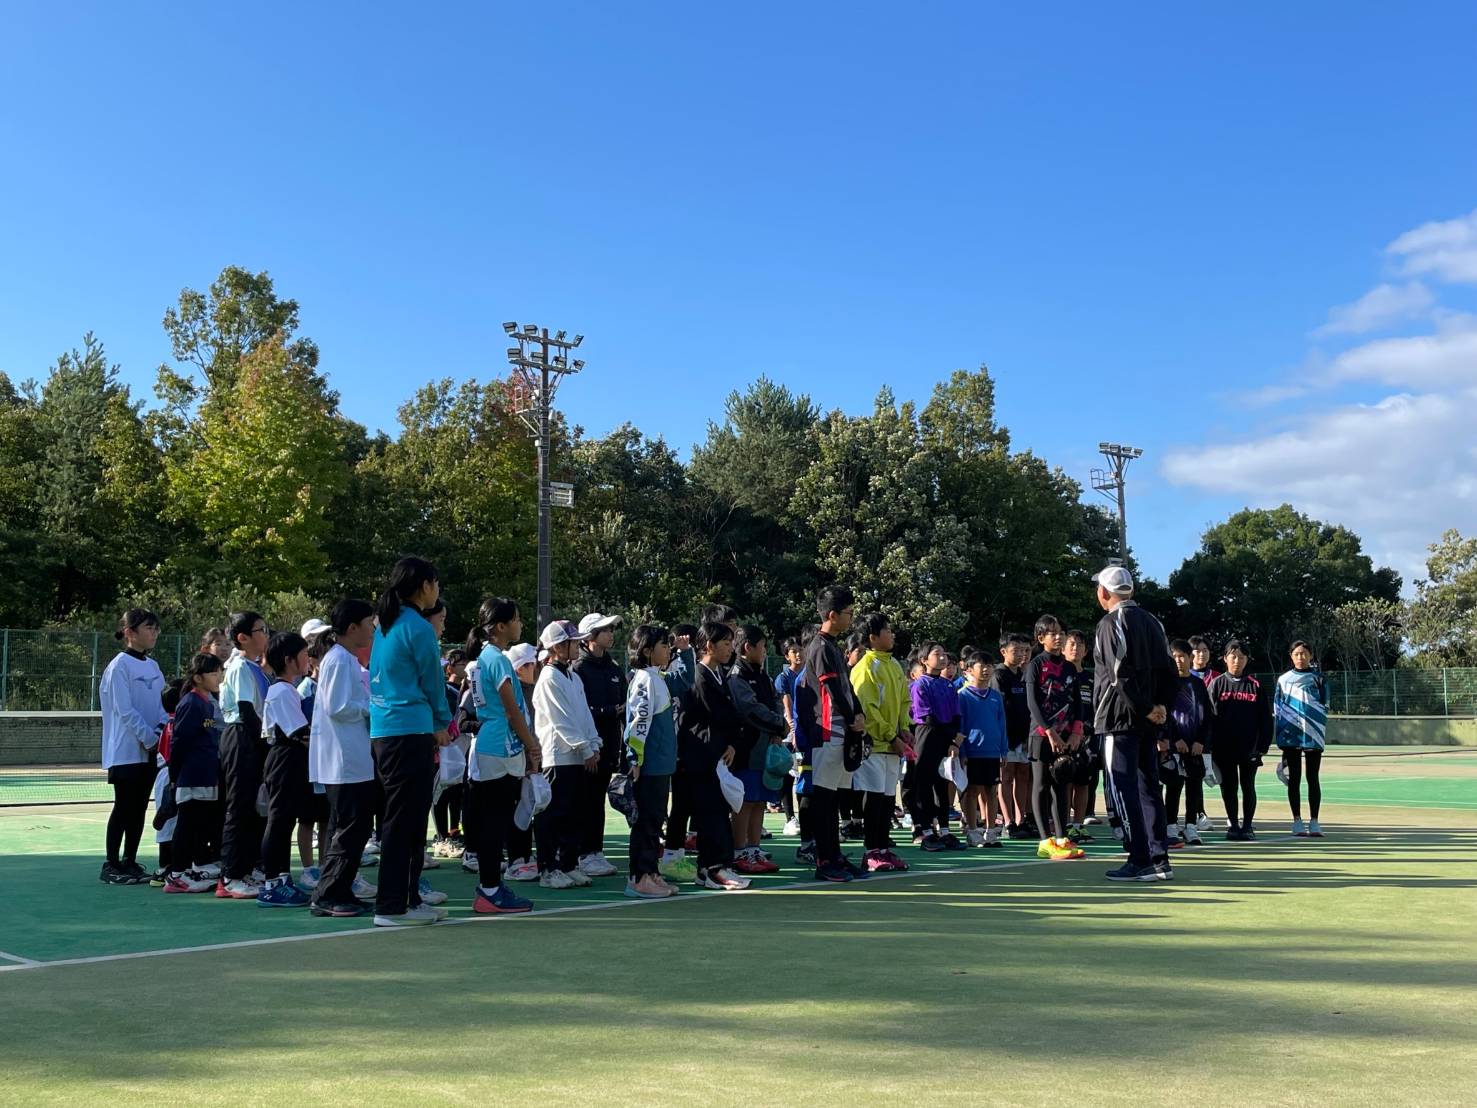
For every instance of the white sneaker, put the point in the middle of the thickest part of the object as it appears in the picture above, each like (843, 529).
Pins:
(439, 912)
(210, 869)
(416, 917)
(372, 846)
(469, 862)
(1192, 836)
(792, 827)
(430, 862)
(578, 877)
(258, 876)
(308, 879)
(523, 869)
(362, 888)
(596, 865)
(1204, 823)
(368, 860)
(242, 889)
(434, 897)
(724, 880)
(555, 879)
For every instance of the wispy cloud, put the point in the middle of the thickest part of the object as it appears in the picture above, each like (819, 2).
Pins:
(1446, 249)
(1379, 308)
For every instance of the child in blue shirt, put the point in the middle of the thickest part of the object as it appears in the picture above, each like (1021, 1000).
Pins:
(982, 726)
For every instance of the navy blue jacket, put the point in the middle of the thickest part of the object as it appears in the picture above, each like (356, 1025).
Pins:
(194, 743)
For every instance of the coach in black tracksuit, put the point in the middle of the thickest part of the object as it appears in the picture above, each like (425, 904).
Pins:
(1133, 682)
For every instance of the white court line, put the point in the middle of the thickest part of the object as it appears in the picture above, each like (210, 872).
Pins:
(21, 963)
(539, 913)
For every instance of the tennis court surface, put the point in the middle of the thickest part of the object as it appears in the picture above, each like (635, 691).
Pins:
(1285, 971)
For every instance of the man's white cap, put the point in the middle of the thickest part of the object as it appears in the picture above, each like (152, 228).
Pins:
(314, 626)
(1115, 579)
(520, 654)
(596, 622)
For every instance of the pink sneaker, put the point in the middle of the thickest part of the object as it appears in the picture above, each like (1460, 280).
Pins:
(523, 871)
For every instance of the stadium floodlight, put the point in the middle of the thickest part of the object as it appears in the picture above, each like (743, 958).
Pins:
(1111, 483)
(539, 362)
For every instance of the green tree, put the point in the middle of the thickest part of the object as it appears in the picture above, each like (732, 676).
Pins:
(1441, 623)
(1032, 545)
(96, 480)
(872, 499)
(26, 586)
(269, 461)
(458, 487)
(625, 547)
(1271, 575)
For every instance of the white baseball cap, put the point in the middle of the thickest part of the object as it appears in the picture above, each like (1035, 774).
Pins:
(520, 654)
(314, 626)
(596, 622)
(1115, 579)
(561, 630)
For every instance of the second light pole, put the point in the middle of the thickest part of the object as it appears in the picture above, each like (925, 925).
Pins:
(539, 362)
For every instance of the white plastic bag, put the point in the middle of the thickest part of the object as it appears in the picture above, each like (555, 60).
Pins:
(533, 800)
(453, 770)
(733, 788)
(952, 770)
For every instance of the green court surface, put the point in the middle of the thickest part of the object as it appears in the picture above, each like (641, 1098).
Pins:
(1304, 972)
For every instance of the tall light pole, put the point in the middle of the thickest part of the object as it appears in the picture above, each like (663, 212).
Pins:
(1110, 483)
(540, 361)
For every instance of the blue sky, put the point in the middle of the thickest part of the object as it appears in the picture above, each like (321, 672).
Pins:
(1140, 218)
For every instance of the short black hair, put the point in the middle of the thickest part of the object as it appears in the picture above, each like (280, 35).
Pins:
(685, 630)
(872, 624)
(285, 646)
(454, 657)
(710, 633)
(1015, 637)
(643, 639)
(1236, 645)
(1299, 643)
(792, 643)
(1045, 625)
(1199, 642)
(833, 598)
(1078, 634)
(976, 655)
(241, 624)
(1180, 646)
(749, 634)
(719, 613)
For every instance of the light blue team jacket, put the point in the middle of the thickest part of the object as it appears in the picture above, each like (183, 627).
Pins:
(407, 690)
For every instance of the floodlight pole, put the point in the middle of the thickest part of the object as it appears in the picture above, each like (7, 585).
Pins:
(1112, 484)
(540, 360)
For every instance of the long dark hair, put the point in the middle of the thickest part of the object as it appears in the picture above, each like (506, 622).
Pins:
(494, 610)
(406, 579)
(345, 614)
(133, 619)
(643, 639)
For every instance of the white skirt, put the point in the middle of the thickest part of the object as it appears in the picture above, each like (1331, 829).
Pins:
(880, 773)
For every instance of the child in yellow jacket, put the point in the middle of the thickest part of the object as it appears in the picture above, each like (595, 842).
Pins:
(882, 689)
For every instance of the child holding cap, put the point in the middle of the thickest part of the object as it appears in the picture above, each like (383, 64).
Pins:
(570, 746)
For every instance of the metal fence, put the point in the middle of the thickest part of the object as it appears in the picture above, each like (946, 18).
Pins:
(59, 671)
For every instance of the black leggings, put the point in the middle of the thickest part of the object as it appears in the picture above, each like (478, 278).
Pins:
(1192, 784)
(681, 810)
(447, 811)
(132, 787)
(494, 801)
(1294, 760)
(1242, 774)
(930, 791)
(877, 820)
(192, 830)
(1048, 796)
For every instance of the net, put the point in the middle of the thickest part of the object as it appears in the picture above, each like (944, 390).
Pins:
(28, 785)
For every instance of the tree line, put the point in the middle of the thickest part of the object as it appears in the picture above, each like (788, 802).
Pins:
(244, 485)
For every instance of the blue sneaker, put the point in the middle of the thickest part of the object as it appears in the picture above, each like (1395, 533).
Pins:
(430, 896)
(1130, 872)
(283, 894)
(503, 901)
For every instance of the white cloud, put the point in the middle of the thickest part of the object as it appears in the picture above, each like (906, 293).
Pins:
(1447, 249)
(1379, 308)
(1397, 472)
(1447, 359)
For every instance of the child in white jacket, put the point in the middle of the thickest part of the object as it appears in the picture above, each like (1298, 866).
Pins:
(571, 754)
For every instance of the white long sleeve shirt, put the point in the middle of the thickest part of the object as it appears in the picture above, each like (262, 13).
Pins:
(339, 753)
(561, 719)
(133, 715)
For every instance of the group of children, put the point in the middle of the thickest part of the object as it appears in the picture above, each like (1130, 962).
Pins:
(348, 731)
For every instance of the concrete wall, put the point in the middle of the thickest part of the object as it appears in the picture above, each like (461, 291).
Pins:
(50, 738)
(1402, 731)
